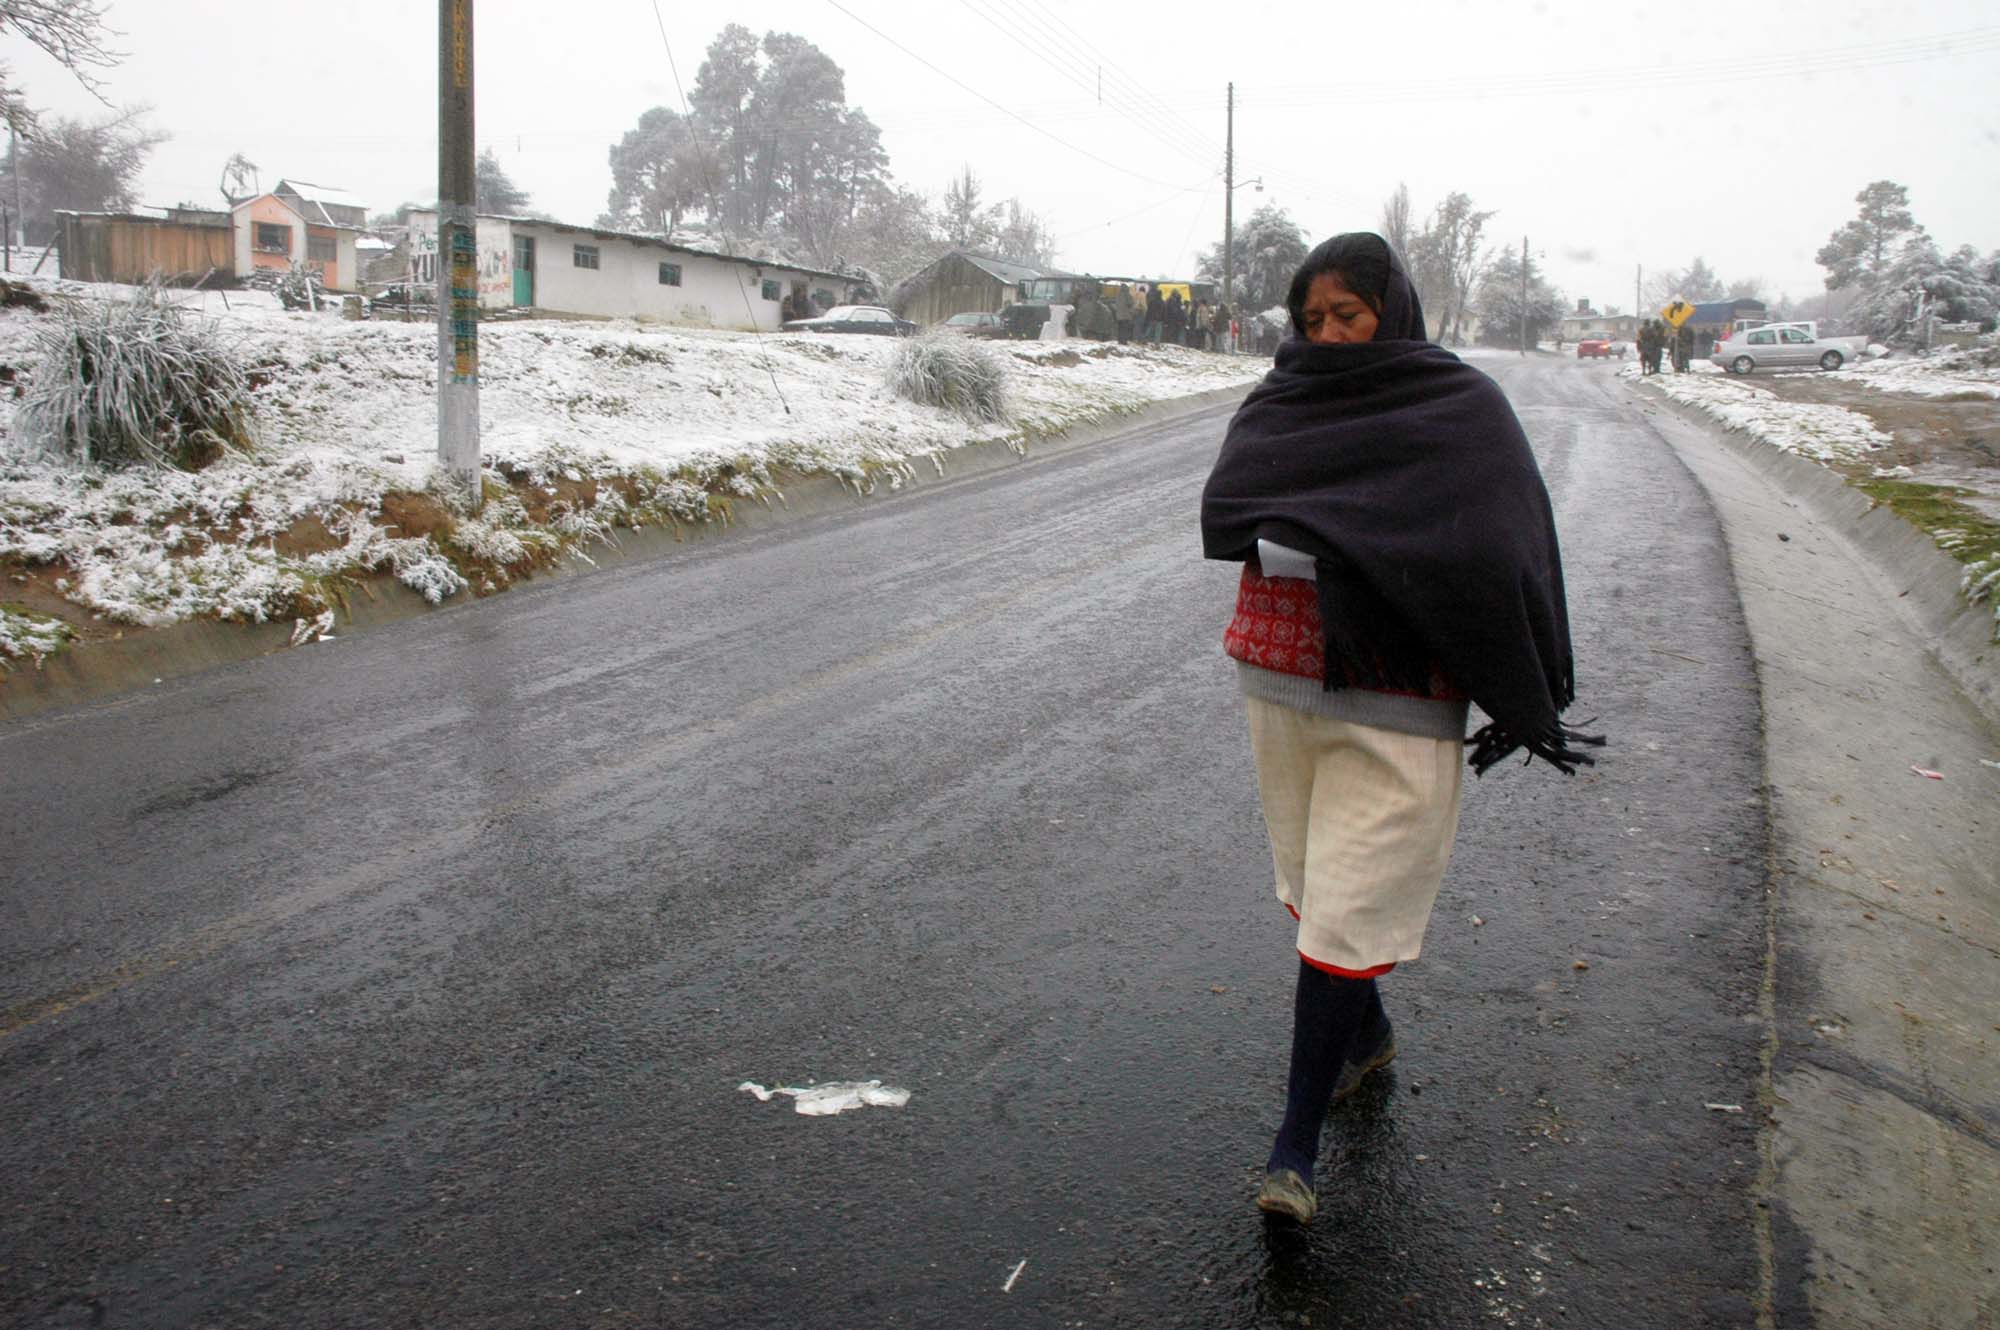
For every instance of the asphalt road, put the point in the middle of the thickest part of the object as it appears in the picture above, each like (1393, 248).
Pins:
(410, 979)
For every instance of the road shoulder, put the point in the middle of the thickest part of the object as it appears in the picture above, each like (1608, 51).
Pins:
(1882, 1180)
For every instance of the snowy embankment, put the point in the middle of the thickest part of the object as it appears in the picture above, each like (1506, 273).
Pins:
(587, 428)
(1827, 433)
(1967, 374)
(1810, 429)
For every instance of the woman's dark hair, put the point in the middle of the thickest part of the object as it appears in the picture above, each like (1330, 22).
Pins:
(1360, 259)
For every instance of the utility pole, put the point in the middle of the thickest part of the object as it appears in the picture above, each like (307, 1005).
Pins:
(1524, 295)
(457, 256)
(1229, 206)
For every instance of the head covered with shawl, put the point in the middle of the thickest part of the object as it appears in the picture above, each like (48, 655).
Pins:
(1404, 473)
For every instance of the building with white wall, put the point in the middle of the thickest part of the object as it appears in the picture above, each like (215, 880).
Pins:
(562, 269)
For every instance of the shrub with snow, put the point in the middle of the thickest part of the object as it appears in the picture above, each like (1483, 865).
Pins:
(956, 373)
(135, 380)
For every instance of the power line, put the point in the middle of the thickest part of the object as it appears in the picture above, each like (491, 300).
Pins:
(1144, 89)
(1054, 54)
(1838, 59)
(1084, 152)
(1150, 207)
(709, 180)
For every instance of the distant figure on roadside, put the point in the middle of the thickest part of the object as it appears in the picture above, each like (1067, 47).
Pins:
(1219, 327)
(1156, 315)
(1684, 348)
(1176, 318)
(1127, 311)
(1198, 326)
(1399, 565)
(1649, 347)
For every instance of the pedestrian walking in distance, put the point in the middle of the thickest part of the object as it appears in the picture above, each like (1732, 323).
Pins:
(1399, 561)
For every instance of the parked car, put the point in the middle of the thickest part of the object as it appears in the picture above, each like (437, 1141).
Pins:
(402, 295)
(972, 324)
(1597, 345)
(855, 319)
(1777, 345)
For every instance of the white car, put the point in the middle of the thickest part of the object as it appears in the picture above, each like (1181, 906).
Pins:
(1781, 345)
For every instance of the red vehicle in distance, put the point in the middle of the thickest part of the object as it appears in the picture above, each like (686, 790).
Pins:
(1599, 344)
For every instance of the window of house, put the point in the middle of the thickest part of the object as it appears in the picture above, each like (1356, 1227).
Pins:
(670, 274)
(583, 256)
(274, 236)
(823, 299)
(772, 291)
(322, 249)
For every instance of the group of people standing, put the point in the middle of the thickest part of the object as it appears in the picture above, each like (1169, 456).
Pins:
(1657, 339)
(1172, 319)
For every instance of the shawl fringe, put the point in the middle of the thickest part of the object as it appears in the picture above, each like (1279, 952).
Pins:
(1493, 742)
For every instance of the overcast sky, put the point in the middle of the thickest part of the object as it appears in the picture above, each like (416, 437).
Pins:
(1609, 134)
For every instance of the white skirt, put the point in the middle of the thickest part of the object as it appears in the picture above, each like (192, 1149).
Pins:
(1361, 821)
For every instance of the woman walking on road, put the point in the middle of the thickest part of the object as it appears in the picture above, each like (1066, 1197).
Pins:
(1400, 561)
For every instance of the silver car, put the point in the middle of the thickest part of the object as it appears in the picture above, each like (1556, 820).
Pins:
(1782, 345)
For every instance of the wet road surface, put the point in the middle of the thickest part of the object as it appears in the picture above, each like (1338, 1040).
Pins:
(409, 979)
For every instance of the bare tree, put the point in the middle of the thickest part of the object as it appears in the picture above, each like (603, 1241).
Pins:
(71, 31)
(968, 224)
(1447, 260)
(1396, 223)
(80, 166)
(239, 179)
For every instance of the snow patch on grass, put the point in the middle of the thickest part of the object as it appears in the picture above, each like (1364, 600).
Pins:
(1962, 374)
(28, 636)
(1810, 429)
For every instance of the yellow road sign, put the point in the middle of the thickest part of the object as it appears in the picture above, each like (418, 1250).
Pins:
(1677, 311)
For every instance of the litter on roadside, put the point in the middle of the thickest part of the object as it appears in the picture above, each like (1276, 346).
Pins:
(1927, 773)
(1989, 762)
(1723, 1108)
(1008, 1287)
(818, 1101)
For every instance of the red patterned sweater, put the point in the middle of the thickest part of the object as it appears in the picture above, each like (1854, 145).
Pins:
(1277, 627)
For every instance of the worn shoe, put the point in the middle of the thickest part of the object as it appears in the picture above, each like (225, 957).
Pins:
(1381, 1055)
(1288, 1196)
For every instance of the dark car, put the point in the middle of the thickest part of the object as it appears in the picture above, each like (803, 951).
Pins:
(973, 325)
(401, 295)
(855, 319)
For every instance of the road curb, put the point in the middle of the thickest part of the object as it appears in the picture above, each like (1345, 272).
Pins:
(1958, 634)
(100, 669)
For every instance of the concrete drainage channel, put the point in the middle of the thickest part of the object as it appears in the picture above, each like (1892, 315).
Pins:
(142, 657)
(1958, 634)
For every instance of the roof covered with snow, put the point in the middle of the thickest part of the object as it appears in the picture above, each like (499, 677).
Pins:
(660, 242)
(1013, 274)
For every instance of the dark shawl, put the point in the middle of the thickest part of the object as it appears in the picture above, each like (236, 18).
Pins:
(1403, 471)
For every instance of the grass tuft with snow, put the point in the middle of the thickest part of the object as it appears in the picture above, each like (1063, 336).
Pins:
(135, 381)
(956, 373)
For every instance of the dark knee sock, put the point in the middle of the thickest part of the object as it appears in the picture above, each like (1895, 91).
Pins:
(1327, 1012)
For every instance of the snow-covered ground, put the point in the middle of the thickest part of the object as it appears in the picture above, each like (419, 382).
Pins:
(1967, 374)
(1822, 432)
(596, 425)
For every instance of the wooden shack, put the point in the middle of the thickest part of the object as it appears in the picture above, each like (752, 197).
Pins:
(960, 282)
(126, 247)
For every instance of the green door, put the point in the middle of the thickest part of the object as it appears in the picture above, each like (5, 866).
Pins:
(524, 270)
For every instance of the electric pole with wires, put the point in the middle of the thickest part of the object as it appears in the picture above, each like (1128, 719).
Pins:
(457, 256)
